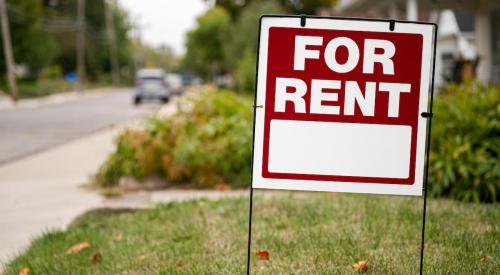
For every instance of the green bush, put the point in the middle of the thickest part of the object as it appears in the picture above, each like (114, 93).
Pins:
(207, 142)
(134, 156)
(245, 72)
(29, 88)
(465, 143)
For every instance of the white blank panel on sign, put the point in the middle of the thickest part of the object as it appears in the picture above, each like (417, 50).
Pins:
(320, 148)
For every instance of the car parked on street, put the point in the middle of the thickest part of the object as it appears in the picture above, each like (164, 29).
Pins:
(150, 84)
(174, 82)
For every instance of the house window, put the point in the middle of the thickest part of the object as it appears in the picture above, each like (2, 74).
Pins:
(448, 64)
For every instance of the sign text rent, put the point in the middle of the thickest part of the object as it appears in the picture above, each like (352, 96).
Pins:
(375, 51)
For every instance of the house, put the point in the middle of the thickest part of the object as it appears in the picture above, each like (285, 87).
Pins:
(468, 41)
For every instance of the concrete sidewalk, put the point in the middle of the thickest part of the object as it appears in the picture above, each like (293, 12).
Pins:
(44, 191)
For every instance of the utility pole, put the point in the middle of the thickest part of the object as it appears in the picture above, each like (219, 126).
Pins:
(80, 43)
(113, 52)
(138, 51)
(7, 48)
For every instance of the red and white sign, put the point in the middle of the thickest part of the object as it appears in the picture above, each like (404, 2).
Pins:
(341, 103)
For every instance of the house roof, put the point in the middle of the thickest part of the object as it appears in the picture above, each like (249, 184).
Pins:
(423, 5)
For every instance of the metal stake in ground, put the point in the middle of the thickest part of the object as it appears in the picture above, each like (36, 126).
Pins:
(429, 116)
(249, 231)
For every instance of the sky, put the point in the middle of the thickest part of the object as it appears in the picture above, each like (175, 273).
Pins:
(164, 21)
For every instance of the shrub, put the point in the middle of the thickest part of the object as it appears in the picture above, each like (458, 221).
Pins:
(134, 156)
(465, 143)
(245, 72)
(207, 142)
(29, 88)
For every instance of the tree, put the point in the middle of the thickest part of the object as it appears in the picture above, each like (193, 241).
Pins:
(241, 48)
(236, 7)
(225, 39)
(233, 7)
(31, 45)
(306, 6)
(205, 55)
(61, 21)
(161, 57)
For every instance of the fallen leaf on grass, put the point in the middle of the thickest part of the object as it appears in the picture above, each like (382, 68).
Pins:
(484, 259)
(222, 186)
(178, 263)
(262, 255)
(96, 258)
(360, 266)
(24, 271)
(77, 248)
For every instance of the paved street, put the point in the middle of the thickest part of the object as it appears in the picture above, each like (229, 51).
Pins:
(24, 131)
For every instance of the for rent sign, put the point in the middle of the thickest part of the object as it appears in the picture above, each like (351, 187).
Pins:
(340, 105)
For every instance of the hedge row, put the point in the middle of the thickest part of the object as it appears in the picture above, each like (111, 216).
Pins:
(209, 142)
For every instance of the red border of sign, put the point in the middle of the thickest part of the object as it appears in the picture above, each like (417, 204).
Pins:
(318, 177)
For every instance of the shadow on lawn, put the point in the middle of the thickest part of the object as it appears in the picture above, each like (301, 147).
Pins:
(101, 214)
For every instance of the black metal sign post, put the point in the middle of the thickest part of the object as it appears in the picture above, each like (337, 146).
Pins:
(249, 231)
(427, 115)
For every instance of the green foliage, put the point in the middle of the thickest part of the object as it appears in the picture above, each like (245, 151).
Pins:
(43, 40)
(207, 142)
(229, 33)
(233, 40)
(465, 143)
(205, 43)
(28, 88)
(245, 72)
(307, 6)
(97, 59)
(134, 156)
(210, 142)
(30, 45)
(51, 72)
(241, 48)
(162, 57)
(235, 8)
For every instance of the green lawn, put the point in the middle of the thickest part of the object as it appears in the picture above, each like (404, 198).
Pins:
(303, 232)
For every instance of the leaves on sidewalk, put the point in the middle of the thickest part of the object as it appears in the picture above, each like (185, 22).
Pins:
(77, 248)
(360, 266)
(222, 186)
(262, 255)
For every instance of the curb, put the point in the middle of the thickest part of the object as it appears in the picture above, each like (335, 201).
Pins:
(6, 104)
